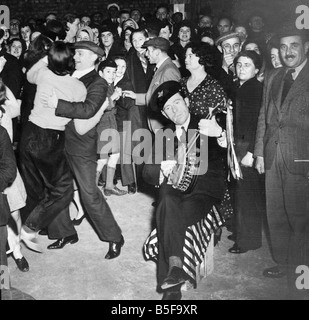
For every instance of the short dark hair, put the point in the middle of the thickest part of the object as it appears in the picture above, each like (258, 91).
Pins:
(165, 23)
(60, 58)
(163, 5)
(256, 59)
(2, 94)
(141, 30)
(204, 51)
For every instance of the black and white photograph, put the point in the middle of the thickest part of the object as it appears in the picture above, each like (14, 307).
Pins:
(154, 150)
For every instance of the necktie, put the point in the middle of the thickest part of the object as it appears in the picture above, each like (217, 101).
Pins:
(183, 136)
(287, 83)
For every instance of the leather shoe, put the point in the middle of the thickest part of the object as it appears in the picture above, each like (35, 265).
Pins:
(236, 249)
(172, 295)
(116, 191)
(175, 277)
(114, 249)
(132, 188)
(273, 272)
(60, 243)
(22, 264)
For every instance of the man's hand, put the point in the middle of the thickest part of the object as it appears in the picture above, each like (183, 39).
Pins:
(259, 165)
(210, 127)
(117, 94)
(167, 167)
(129, 94)
(49, 100)
(247, 160)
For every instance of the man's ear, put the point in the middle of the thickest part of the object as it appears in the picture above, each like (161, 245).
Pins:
(220, 48)
(306, 46)
(186, 99)
(101, 73)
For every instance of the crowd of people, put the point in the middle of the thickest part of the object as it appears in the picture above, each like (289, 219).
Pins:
(80, 95)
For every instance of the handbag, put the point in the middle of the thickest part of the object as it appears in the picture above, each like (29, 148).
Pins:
(5, 211)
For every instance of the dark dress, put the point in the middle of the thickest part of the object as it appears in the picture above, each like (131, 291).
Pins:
(249, 191)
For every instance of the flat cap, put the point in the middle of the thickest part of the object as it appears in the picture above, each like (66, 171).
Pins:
(164, 92)
(225, 36)
(157, 42)
(89, 45)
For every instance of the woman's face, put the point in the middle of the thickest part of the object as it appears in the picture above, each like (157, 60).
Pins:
(128, 23)
(16, 49)
(184, 34)
(165, 33)
(121, 67)
(245, 69)
(138, 40)
(275, 58)
(253, 47)
(107, 38)
(192, 61)
(26, 33)
(127, 35)
(83, 36)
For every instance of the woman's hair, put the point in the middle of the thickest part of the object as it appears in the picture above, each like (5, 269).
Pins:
(60, 58)
(2, 94)
(119, 57)
(256, 59)
(123, 32)
(38, 49)
(259, 45)
(22, 41)
(204, 52)
(273, 43)
(143, 31)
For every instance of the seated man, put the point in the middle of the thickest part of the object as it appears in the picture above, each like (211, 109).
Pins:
(176, 210)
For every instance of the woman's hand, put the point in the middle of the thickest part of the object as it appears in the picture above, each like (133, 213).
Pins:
(247, 160)
(129, 94)
(210, 127)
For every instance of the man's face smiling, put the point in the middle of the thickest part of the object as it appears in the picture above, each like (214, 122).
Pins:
(84, 59)
(293, 51)
(176, 109)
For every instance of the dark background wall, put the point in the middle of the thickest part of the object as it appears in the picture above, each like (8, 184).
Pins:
(274, 10)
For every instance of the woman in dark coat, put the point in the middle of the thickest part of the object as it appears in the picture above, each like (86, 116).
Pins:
(250, 191)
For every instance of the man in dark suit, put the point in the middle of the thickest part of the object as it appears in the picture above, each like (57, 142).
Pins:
(81, 149)
(177, 210)
(282, 150)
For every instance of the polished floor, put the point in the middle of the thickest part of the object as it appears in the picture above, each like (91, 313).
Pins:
(80, 272)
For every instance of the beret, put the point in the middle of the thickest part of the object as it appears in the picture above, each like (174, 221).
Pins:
(163, 93)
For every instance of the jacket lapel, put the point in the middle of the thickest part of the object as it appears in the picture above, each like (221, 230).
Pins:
(277, 88)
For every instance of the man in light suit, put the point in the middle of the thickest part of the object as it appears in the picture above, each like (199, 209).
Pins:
(282, 150)
(165, 70)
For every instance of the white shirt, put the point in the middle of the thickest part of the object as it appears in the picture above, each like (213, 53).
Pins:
(298, 70)
(80, 73)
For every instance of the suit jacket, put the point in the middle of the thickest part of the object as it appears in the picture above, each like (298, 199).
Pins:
(211, 182)
(96, 95)
(285, 124)
(248, 105)
(166, 72)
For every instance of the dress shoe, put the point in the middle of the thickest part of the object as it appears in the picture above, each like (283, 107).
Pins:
(175, 277)
(43, 232)
(77, 222)
(60, 243)
(273, 272)
(22, 264)
(172, 295)
(114, 249)
(236, 249)
(116, 191)
(132, 188)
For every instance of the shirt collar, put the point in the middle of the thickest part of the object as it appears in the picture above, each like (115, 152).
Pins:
(159, 64)
(298, 69)
(80, 73)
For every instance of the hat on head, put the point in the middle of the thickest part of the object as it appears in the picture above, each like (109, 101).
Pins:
(164, 92)
(289, 29)
(89, 45)
(225, 36)
(158, 43)
(86, 29)
(108, 28)
(113, 5)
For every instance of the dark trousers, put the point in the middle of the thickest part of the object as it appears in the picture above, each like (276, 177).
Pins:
(48, 181)
(250, 209)
(3, 242)
(175, 213)
(287, 204)
(126, 165)
(99, 212)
